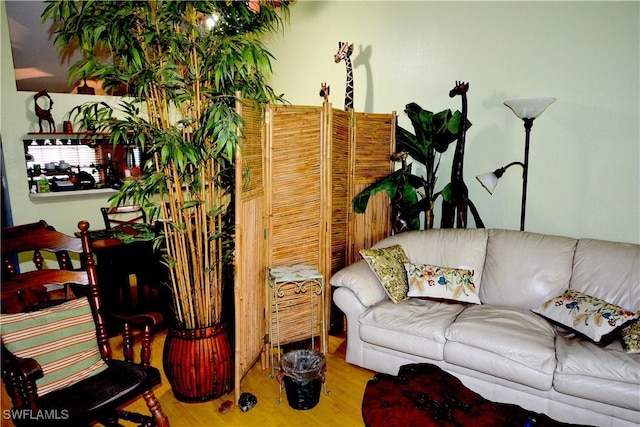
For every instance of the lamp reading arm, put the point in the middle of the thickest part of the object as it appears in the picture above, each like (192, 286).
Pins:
(499, 172)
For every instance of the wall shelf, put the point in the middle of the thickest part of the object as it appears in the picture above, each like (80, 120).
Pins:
(58, 196)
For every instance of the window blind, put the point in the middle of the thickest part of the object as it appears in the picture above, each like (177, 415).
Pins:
(80, 157)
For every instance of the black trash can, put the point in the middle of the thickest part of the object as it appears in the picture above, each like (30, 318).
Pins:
(304, 373)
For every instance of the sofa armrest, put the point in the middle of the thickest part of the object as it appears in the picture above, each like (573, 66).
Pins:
(347, 301)
(362, 281)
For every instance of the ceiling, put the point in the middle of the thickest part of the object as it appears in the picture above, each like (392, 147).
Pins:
(37, 66)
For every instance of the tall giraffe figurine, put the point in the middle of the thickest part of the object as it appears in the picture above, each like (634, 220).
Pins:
(456, 208)
(344, 54)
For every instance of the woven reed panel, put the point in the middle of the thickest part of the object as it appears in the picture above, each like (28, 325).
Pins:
(373, 144)
(252, 151)
(339, 186)
(294, 185)
(299, 314)
(250, 262)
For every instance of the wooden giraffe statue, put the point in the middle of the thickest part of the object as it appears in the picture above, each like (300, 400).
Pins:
(344, 54)
(325, 90)
(44, 114)
(455, 210)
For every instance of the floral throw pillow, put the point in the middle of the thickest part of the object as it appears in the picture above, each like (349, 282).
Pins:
(441, 283)
(589, 316)
(388, 265)
(631, 338)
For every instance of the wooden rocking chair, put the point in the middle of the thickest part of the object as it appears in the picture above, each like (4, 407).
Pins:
(57, 364)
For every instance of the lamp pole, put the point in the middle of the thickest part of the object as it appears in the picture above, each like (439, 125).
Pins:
(528, 124)
(527, 110)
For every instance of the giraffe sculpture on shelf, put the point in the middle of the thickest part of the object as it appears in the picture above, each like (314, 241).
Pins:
(455, 209)
(344, 54)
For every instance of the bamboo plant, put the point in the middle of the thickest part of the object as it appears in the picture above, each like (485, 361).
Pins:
(182, 64)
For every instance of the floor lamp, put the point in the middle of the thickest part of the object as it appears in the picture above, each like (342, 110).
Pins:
(528, 110)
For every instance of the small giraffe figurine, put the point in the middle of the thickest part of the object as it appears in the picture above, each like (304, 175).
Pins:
(344, 54)
(44, 114)
(456, 208)
(324, 91)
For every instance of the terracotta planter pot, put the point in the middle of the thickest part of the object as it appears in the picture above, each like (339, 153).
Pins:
(198, 363)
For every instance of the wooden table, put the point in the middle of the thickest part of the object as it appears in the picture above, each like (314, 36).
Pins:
(126, 260)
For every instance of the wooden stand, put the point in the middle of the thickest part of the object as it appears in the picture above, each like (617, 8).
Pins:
(297, 310)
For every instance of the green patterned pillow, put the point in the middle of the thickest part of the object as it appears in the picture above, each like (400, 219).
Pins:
(388, 266)
(61, 338)
(441, 283)
(589, 316)
(631, 338)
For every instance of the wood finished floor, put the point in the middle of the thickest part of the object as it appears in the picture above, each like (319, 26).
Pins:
(342, 407)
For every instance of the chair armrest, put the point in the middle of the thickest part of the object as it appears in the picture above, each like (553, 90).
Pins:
(147, 323)
(151, 318)
(19, 375)
(25, 367)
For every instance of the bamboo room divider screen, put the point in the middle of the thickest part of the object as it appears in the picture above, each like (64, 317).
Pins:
(298, 169)
(250, 262)
(317, 160)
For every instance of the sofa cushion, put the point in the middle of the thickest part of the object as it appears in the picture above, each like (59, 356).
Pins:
(437, 282)
(608, 270)
(449, 247)
(512, 344)
(589, 316)
(413, 326)
(525, 269)
(604, 374)
(388, 266)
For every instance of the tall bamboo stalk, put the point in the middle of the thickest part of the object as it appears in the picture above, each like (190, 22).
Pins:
(194, 257)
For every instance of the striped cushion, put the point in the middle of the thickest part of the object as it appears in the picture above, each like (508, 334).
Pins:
(61, 338)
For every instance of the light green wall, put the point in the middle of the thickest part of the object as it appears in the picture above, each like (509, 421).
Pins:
(584, 178)
(585, 149)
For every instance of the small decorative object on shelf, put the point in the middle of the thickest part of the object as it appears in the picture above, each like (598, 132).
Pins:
(44, 113)
(42, 184)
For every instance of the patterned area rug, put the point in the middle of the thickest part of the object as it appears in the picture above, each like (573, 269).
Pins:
(424, 395)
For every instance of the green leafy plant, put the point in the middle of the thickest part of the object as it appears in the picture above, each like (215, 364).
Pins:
(412, 194)
(181, 77)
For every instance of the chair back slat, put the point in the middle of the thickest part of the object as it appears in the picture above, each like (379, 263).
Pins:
(122, 215)
(23, 238)
(34, 239)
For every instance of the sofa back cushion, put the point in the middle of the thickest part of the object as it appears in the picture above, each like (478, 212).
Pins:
(445, 247)
(525, 269)
(609, 271)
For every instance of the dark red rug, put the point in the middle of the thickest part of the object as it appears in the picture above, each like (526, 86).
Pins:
(424, 395)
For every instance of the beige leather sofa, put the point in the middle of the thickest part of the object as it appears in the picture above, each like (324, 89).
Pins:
(500, 348)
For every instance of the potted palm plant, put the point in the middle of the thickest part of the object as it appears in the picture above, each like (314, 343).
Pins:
(412, 194)
(181, 64)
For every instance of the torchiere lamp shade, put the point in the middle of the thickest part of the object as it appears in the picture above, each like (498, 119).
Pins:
(529, 108)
